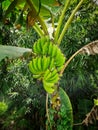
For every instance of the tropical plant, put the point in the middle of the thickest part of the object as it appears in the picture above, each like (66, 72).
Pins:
(48, 63)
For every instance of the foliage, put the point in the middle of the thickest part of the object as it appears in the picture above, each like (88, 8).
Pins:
(82, 70)
(60, 119)
(23, 97)
(13, 52)
(3, 108)
(17, 84)
(82, 66)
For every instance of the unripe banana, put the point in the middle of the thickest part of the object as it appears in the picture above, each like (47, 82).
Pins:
(47, 75)
(34, 64)
(35, 48)
(39, 62)
(43, 45)
(60, 60)
(49, 87)
(37, 76)
(52, 64)
(54, 72)
(45, 48)
(39, 48)
(51, 77)
(31, 69)
(43, 40)
(54, 50)
(54, 79)
(50, 49)
(45, 63)
(60, 68)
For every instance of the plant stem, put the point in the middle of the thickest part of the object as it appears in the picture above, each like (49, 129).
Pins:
(94, 43)
(47, 113)
(42, 22)
(44, 27)
(38, 30)
(78, 124)
(69, 60)
(69, 21)
(60, 20)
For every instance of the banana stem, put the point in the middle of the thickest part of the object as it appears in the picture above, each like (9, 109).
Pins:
(47, 113)
(77, 52)
(69, 21)
(60, 20)
(44, 27)
(38, 30)
(69, 60)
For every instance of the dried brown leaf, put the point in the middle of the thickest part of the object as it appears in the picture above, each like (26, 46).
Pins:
(31, 18)
(90, 49)
(91, 117)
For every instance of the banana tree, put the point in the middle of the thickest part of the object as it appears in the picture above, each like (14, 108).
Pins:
(49, 63)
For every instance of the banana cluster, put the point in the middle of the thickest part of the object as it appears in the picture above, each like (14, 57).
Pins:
(49, 60)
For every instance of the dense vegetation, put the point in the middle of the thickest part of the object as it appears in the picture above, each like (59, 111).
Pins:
(23, 98)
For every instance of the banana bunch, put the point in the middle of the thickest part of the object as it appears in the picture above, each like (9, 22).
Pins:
(39, 65)
(45, 47)
(50, 80)
(47, 63)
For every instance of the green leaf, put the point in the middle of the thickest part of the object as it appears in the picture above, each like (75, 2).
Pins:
(96, 102)
(12, 52)
(12, 5)
(66, 107)
(46, 8)
(5, 4)
(3, 108)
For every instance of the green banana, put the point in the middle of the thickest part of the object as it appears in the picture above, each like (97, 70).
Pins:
(59, 54)
(39, 62)
(43, 40)
(47, 75)
(54, 76)
(34, 64)
(59, 68)
(39, 48)
(43, 45)
(54, 79)
(37, 76)
(50, 49)
(49, 87)
(52, 64)
(48, 62)
(35, 48)
(54, 50)
(45, 48)
(54, 72)
(45, 63)
(31, 67)
(51, 77)
(60, 60)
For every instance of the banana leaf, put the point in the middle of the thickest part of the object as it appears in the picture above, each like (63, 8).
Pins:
(66, 107)
(45, 8)
(13, 52)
